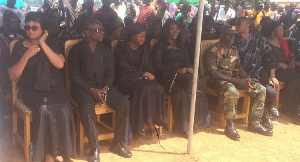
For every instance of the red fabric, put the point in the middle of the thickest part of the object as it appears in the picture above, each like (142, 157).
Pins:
(285, 47)
(144, 12)
(243, 13)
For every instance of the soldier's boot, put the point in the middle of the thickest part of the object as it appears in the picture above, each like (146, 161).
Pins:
(256, 127)
(297, 119)
(267, 123)
(230, 131)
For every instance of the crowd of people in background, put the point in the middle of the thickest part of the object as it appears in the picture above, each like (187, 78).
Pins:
(252, 55)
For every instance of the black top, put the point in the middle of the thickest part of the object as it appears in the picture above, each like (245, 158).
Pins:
(88, 69)
(278, 54)
(131, 64)
(167, 61)
(29, 75)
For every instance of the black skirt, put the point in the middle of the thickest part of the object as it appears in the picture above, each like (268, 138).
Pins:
(147, 104)
(53, 122)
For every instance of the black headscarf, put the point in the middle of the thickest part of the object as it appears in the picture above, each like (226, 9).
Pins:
(134, 29)
(269, 27)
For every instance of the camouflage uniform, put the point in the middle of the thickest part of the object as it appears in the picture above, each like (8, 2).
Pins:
(226, 61)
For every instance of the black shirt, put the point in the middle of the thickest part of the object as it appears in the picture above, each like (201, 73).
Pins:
(131, 64)
(88, 69)
(29, 74)
(167, 61)
(278, 53)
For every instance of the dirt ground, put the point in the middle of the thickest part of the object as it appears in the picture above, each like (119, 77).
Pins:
(208, 145)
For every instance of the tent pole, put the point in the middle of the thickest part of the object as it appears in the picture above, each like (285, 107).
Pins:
(195, 76)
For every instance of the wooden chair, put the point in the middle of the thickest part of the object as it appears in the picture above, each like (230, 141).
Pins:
(167, 97)
(219, 113)
(99, 109)
(20, 111)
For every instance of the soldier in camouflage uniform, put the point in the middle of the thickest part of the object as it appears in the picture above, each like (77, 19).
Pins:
(227, 78)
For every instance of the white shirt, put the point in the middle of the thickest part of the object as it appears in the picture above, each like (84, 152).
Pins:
(229, 15)
(18, 12)
(120, 10)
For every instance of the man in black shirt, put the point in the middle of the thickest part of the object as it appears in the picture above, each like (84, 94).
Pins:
(91, 75)
(258, 62)
(8, 33)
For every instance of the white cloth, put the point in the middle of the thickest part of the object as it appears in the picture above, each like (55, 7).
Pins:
(14, 10)
(229, 15)
(120, 10)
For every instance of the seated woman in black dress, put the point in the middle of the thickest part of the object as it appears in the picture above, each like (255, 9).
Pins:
(134, 76)
(286, 72)
(37, 62)
(174, 71)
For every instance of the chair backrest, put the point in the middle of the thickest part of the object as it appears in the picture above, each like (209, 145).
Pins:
(204, 45)
(68, 45)
(13, 82)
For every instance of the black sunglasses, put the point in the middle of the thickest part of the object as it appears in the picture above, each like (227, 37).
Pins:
(97, 30)
(33, 28)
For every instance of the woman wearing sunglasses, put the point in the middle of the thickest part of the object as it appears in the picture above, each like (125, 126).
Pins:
(36, 63)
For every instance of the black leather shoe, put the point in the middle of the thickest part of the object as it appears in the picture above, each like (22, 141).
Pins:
(267, 123)
(94, 155)
(274, 111)
(260, 129)
(119, 149)
(230, 131)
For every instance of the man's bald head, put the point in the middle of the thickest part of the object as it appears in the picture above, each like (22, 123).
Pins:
(89, 23)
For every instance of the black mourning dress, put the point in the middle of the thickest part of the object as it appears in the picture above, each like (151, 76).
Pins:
(41, 87)
(292, 80)
(166, 62)
(147, 102)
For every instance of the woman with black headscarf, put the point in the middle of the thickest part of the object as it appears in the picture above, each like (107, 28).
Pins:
(286, 72)
(37, 63)
(175, 72)
(134, 77)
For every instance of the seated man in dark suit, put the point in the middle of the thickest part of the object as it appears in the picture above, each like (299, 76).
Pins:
(91, 75)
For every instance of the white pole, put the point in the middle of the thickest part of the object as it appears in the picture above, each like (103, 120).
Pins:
(195, 76)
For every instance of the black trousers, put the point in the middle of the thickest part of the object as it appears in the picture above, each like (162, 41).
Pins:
(114, 100)
(271, 93)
